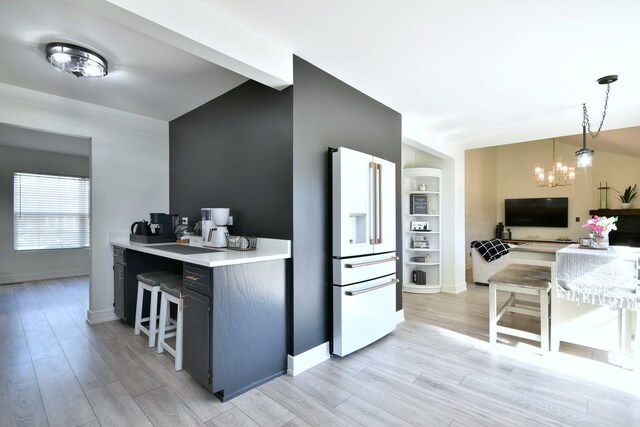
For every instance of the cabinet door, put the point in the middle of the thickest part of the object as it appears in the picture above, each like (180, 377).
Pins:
(118, 289)
(386, 188)
(197, 333)
(352, 221)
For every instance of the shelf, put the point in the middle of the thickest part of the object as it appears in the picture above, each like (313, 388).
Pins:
(433, 216)
(616, 212)
(423, 192)
(421, 263)
(420, 289)
(423, 249)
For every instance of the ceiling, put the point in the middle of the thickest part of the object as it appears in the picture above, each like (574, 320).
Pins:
(475, 73)
(478, 73)
(146, 76)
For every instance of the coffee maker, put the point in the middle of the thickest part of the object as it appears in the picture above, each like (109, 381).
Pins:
(214, 226)
(165, 224)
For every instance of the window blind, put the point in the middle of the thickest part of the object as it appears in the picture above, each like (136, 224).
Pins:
(50, 211)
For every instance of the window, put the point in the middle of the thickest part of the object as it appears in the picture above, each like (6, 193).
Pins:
(50, 212)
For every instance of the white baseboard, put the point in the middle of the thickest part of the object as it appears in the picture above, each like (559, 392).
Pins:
(454, 289)
(399, 316)
(45, 275)
(100, 316)
(310, 358)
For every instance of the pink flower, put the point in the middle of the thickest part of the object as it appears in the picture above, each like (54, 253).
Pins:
(601, 225)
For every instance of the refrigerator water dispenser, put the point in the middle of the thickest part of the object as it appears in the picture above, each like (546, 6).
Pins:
(358, 228)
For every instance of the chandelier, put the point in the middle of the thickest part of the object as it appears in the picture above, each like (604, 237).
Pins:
(560, 174)
(585, 155)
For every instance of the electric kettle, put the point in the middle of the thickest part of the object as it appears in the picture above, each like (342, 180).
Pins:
(141, 228)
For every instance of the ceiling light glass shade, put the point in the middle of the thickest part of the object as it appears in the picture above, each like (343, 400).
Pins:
(584, 157)
(77, 60)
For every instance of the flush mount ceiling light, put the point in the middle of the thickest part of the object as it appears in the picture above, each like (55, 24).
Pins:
(77, 60)
(585, 155)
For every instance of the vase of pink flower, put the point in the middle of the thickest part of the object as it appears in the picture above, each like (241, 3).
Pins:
(599, 228)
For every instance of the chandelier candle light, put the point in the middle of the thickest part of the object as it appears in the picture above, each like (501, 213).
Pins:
(560, 173)
(599, 228)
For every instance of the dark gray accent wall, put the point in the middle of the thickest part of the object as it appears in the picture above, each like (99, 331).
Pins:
(329, 113)
(264, 154)
(236, 151)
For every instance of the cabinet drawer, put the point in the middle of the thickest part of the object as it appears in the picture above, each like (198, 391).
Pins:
(197, 278)
(118, 255)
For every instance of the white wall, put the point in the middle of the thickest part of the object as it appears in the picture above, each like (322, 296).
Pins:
(129, 170)
(481, 204)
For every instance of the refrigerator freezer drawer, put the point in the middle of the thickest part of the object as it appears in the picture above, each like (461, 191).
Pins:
(358, 269)
(363, 313)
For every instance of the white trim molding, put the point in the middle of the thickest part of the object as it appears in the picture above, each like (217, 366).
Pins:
(454, 289)
(399, 316)
(101, 316)
(310, 358)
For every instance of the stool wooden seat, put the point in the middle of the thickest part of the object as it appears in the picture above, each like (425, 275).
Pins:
(521, 279)
(171, 292)
(151, 282)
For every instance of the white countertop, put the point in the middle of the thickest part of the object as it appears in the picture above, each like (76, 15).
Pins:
(266, 250)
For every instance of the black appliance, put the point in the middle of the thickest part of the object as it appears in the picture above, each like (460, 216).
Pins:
(164, 232)
(166, 223)
(541, 212)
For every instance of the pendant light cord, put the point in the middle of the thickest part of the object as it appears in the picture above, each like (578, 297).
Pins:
(585, 115)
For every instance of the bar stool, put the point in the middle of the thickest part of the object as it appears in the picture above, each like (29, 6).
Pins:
(150, 282)
(171, 292)
(524, 279)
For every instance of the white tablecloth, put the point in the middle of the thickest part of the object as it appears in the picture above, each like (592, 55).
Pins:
(602, 277)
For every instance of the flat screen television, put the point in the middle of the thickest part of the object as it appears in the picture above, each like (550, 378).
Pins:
(547, 212)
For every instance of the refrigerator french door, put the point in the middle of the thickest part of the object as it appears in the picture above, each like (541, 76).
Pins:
(364, 243)
(364, 205)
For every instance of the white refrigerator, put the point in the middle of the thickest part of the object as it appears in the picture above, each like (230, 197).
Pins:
(363, 249)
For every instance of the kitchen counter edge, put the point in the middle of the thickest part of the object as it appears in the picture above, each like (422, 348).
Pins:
(267, 250)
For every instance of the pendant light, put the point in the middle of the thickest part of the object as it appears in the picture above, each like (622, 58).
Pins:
(76, 60)
(585, 155)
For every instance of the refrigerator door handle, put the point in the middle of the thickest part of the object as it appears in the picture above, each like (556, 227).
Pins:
(371, 289)
(366, 264)
(379, 199)
(374, 194)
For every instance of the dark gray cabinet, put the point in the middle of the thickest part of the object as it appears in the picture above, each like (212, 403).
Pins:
(234, 318)
(197, 323)
(197, 336)
(234, 325)
(127, 264)
(118, 282)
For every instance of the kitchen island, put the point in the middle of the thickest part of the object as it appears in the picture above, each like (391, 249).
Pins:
(234, 307)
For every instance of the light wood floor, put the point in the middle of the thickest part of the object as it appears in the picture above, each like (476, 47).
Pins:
(435, 369)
